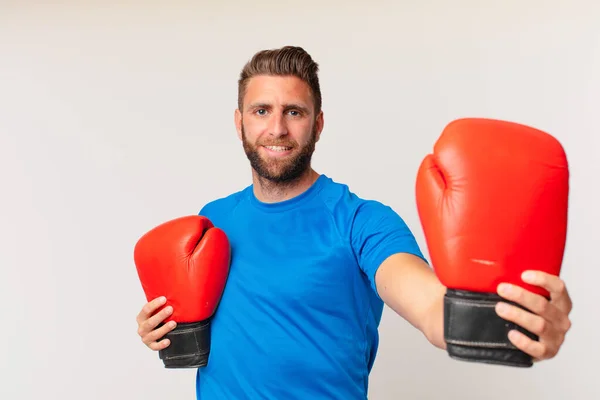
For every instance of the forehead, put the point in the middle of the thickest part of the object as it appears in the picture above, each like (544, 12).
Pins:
(277, 89)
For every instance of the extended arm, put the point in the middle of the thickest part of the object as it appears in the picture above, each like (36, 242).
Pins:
(389, 254)
(410, 288)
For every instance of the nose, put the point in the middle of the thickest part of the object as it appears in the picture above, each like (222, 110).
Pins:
(278, 126)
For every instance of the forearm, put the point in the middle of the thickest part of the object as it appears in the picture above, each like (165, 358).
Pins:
(409, 287)
(434, 328)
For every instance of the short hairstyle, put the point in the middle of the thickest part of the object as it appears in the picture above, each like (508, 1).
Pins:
(285, 61)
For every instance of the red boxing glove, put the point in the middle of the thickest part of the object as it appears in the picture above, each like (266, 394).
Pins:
(493, 200)
(187, 261)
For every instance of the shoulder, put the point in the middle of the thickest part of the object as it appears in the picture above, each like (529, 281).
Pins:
(224, 205)
(373, 229)
(351, 209)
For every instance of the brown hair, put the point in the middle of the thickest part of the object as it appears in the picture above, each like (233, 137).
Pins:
(285, 61)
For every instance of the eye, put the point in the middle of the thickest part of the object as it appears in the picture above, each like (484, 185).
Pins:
(295, 113)
(261, 111)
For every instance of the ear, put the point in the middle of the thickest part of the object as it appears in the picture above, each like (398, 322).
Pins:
(320, 123)
(238, 122)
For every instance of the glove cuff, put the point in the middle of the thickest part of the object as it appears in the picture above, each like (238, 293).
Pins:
(189, 347)
(475, 332)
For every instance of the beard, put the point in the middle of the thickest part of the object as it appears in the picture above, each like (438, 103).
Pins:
(280, 171)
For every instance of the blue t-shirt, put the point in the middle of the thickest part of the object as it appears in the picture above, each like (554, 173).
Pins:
(299, 315)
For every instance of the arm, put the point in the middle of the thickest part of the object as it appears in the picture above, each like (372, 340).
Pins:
(409, 287)
(389, 255)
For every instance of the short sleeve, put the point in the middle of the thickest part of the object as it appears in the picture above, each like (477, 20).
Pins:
(377, 233)
(204, 211)
(211, 210)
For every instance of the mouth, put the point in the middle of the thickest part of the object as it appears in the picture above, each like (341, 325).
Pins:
(278, 149)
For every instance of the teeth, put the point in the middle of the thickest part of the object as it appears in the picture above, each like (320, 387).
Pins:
(277, 148)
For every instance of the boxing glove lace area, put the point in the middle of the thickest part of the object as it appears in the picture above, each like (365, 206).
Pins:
(189, 346)
(475, 332)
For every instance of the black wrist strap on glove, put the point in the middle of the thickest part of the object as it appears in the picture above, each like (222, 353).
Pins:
(189, 347)
(475, 332)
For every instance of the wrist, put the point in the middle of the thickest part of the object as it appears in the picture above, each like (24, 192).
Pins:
(434, 329)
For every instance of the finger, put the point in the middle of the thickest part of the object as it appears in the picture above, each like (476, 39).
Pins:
(553, 284)
(531, 322)
(153, 339)
(149, 308)
(156, 346)
(536, 304)
(152, 322)
(537, 350)
(531, 301)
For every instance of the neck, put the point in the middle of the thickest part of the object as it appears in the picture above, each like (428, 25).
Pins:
(273, 192)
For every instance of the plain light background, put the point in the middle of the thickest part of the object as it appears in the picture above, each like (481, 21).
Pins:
(116, 116)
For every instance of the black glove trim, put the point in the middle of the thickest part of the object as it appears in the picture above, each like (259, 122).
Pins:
(475, 332)
(189, 347)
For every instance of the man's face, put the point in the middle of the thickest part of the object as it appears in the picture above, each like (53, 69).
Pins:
(278, 127)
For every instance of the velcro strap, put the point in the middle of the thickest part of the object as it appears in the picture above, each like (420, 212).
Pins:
(187, 339)
(470, 319)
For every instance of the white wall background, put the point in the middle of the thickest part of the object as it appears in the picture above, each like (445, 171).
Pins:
(115, 116)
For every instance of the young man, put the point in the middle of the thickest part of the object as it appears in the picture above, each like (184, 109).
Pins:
(313, 264)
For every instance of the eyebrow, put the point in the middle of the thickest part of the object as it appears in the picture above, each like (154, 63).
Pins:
(288, 106)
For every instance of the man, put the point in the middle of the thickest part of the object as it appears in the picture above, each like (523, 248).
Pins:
(313, 264)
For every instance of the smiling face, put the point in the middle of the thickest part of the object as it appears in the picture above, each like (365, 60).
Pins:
(278, 127)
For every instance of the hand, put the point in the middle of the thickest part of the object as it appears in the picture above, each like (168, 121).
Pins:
(147, 322)
(549, 319)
